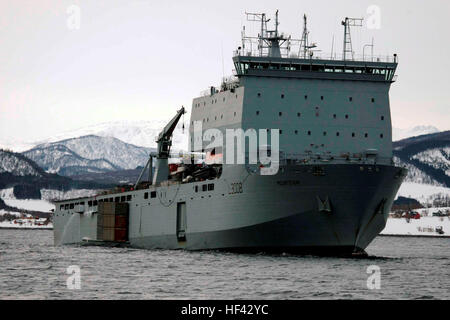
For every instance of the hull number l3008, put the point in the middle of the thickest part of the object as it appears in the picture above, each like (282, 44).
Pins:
(236, 188)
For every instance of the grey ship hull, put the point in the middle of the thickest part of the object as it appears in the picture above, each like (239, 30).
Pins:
(287, 218)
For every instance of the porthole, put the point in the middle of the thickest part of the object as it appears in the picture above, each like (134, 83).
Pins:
(309, 133)
(350, 99)
(366, 135)
(321, 97)
(280, 114)
(373, 100)
(346, 116)
(381, 136)
(299, 114)
(282, 96)
(337, 134)
(257, 113)
(296, 131)
(259, 94)
(324, 133)
(306, 97)
(382, 118)
(334, 116)
(353, 134)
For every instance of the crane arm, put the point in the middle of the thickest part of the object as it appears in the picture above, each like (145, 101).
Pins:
(164, 139)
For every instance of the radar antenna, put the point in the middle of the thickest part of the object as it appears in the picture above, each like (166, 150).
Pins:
(270, 42)
(347, 23)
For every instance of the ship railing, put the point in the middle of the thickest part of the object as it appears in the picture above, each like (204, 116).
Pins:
(326, 56)
(308, 158)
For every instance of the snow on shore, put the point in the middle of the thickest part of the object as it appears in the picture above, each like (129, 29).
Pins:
(425, 226)
(43, 205)
(421, 192)
(12, 225)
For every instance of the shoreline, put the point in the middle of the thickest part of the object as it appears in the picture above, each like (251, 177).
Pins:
(26, 228)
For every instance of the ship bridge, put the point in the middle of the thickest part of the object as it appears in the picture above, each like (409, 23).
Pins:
(272, 54)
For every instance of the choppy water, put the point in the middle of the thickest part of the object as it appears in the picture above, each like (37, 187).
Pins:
(32, 268)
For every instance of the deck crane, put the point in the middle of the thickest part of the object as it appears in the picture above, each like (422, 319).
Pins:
(164, 141)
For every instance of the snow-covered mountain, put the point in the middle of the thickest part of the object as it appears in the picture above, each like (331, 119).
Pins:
(17, 165)
(427, 158)
(88, 154)
(138, 133)
(400, 134)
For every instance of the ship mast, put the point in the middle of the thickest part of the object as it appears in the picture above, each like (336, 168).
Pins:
(269, 41)
(304, 42)
(347, 23)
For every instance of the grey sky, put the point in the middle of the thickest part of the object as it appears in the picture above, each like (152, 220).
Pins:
(141, 60)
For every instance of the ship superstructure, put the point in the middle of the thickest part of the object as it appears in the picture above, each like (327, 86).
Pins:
(336, 180)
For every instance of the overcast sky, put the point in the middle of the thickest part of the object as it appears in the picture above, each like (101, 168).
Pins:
(142, 60)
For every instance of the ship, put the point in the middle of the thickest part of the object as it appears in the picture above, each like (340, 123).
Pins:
(326, 118)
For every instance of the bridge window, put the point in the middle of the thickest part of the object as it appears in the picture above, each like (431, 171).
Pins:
(122, 199)
(129, 197)
(210, 186)
(153, 194)
(205, 187)
(117, 199)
